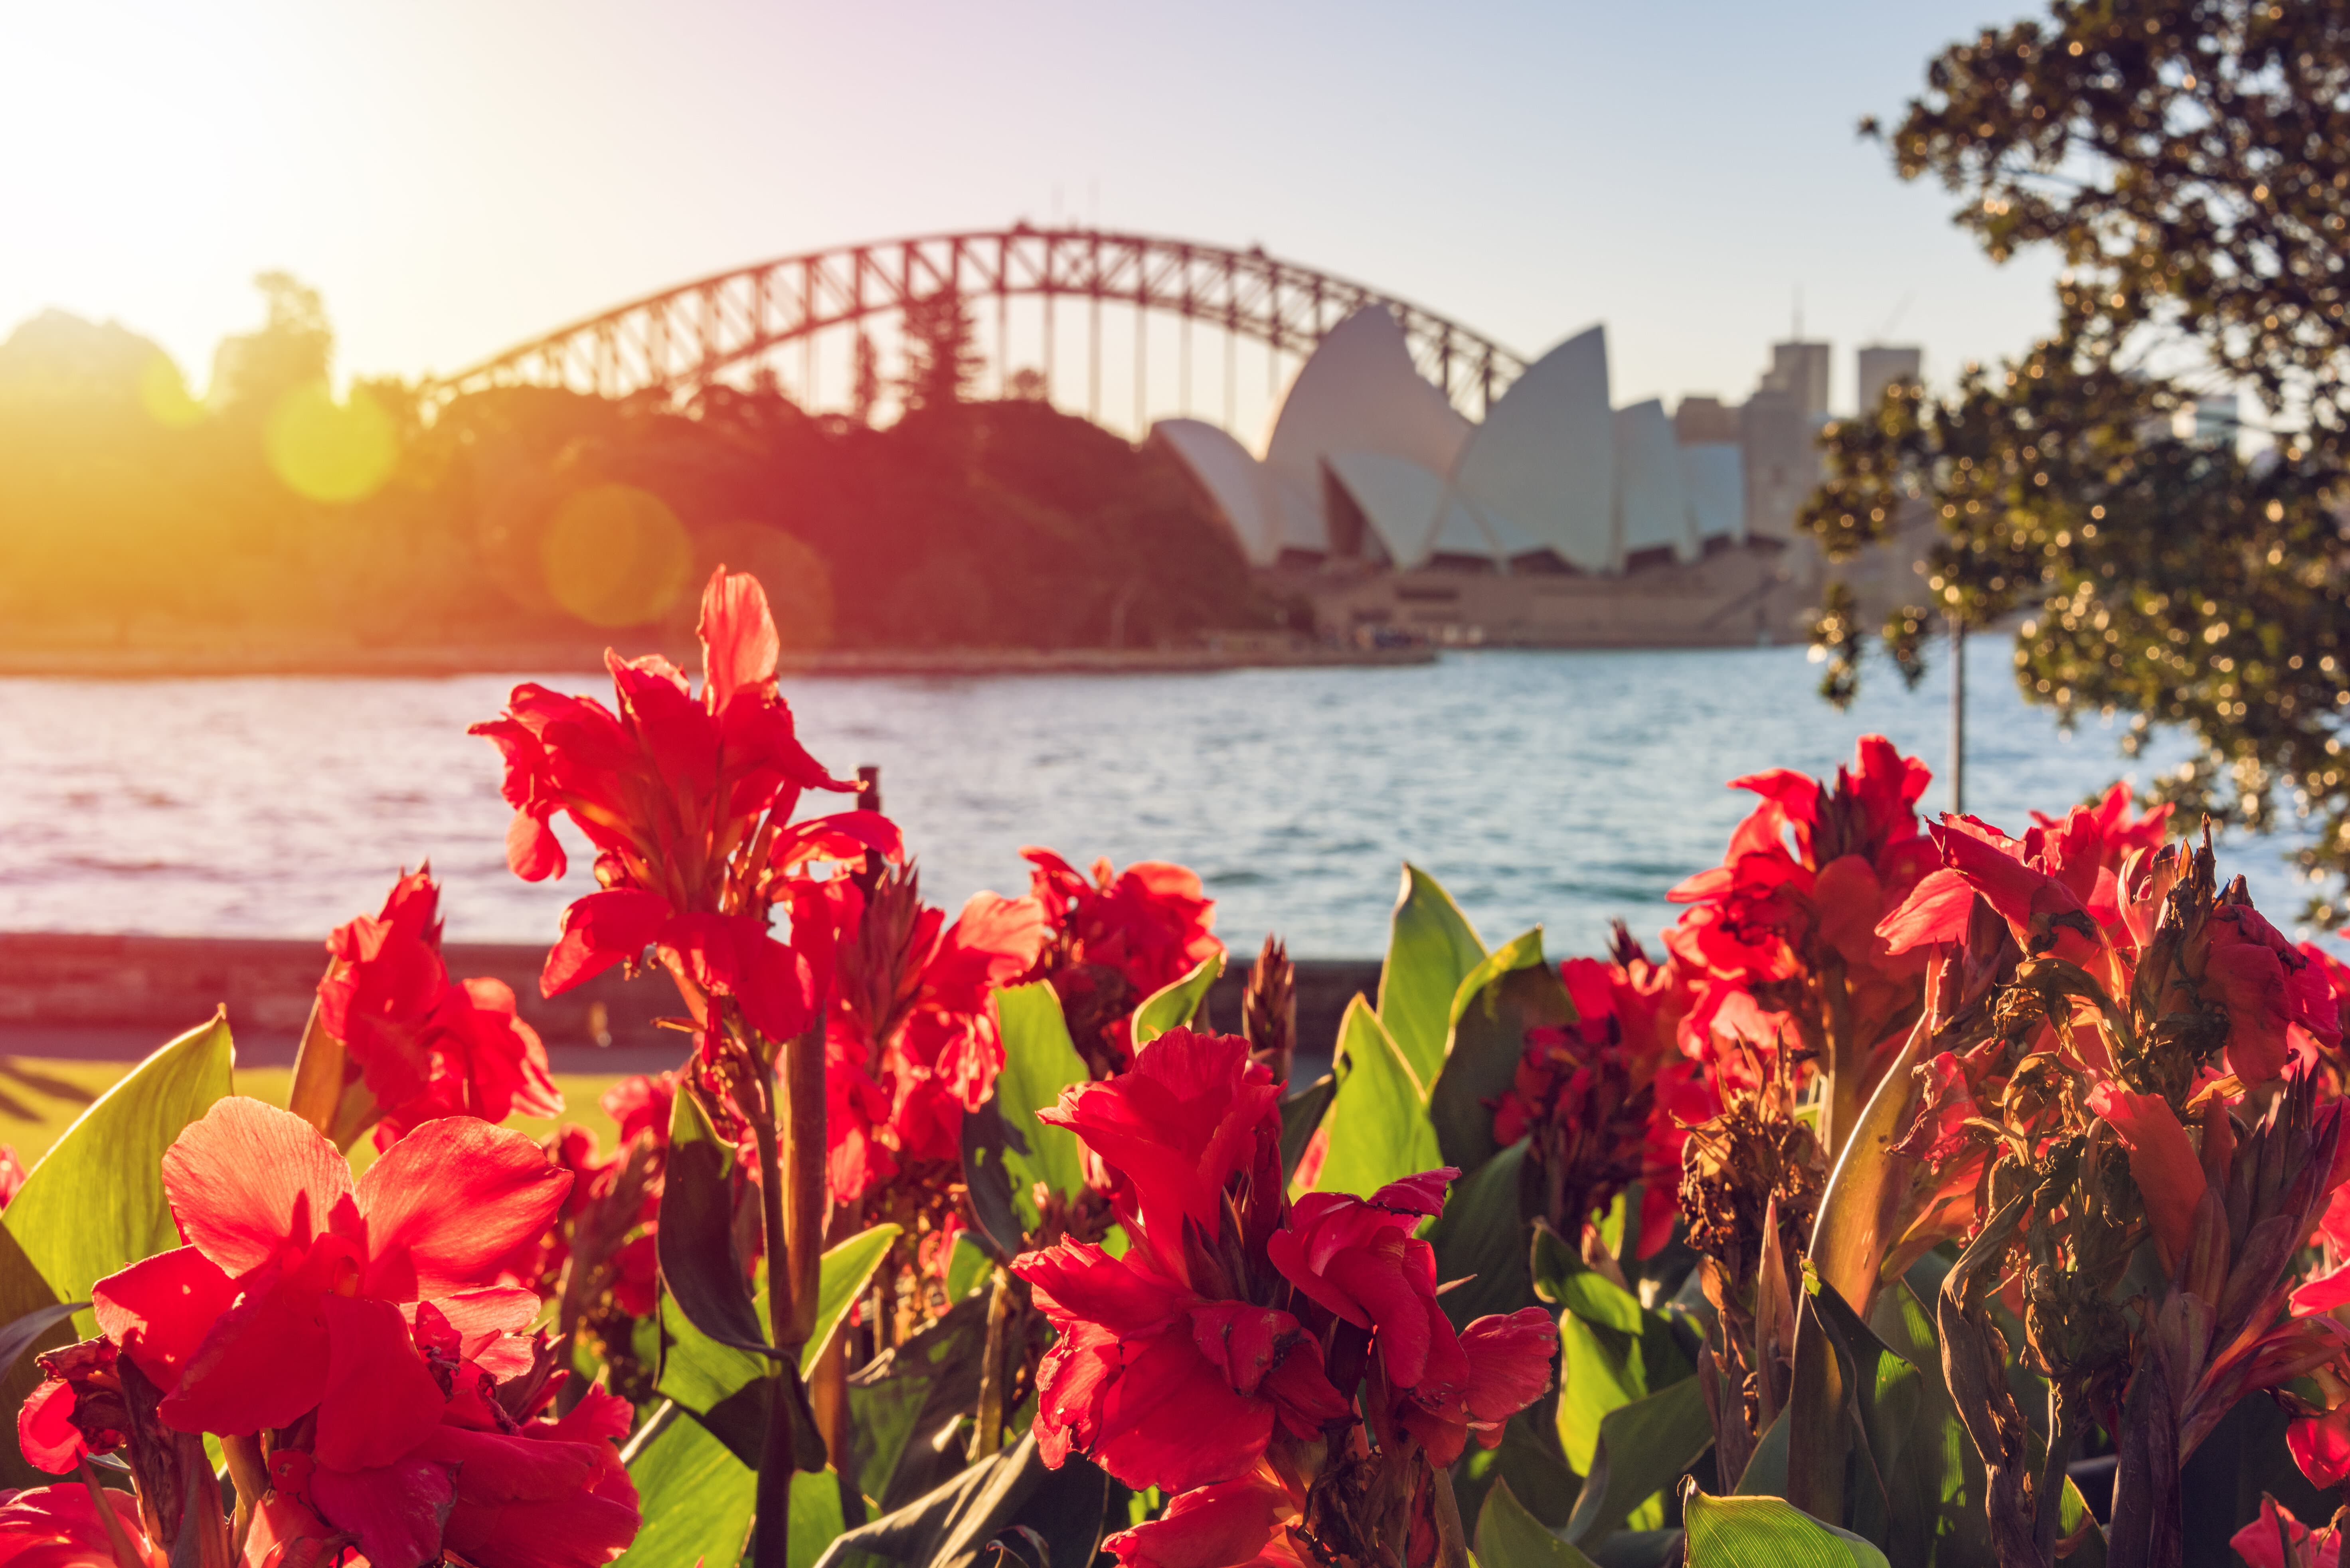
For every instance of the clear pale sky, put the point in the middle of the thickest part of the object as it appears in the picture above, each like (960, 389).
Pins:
(458, 176)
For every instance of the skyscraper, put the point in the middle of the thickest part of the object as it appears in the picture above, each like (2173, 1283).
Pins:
(1800, 369)
(1881, 365)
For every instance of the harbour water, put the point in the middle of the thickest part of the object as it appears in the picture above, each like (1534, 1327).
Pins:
(1560, 788)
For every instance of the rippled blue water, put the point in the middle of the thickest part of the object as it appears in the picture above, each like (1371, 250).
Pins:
(1562, 788)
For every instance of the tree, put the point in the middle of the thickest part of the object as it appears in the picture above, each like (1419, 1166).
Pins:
(294, 347)
(865, 380)
(942, 356)
(2190, 161)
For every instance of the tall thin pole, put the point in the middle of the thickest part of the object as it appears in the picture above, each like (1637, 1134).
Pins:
(1957, 716)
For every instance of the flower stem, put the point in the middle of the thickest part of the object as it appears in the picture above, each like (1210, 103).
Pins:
(1451, 1542)
(987, 1435)
(125, 1554)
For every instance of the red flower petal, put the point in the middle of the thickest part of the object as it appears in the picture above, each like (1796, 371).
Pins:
(599, 931)
(251, 1184)
(396, 1513)
(262, 1363)
(448, 1201)
(160, 1309)
(1211, 1527)
(381, 1400)
(2163, 1163)
(739, 645)
(45, 1432)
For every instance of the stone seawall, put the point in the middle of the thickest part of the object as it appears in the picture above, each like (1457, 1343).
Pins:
(70, 993)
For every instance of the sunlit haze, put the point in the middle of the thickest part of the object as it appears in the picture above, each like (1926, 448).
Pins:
(456, 178)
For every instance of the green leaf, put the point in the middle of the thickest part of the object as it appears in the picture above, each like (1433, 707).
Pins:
(1175, 1006)
(700, 1268)
(1431, 949)
(1568, 1282)
(967, 1267)
(1766, 1466)
(961, 1514)
(22, 1333)
(1301, 1113)
(1480, 1238)
(1509, 1537)
(1768, 1532)
(1599, 1370)
(1039, 1062)
(1643, 1449)
(843, 1273)
(915, 1390)
(37, 1322)
(726, 1387)
(816, 1521)
(95, 1203)
(1508, 994)
(695, 1499)
(1378, 1124)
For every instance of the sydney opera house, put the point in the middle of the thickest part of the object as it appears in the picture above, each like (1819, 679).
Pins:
(1561, 519)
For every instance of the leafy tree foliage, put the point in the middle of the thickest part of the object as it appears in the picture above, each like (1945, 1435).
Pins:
(2189, 159)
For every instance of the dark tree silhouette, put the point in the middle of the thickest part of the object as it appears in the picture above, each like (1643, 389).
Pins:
(942, 356)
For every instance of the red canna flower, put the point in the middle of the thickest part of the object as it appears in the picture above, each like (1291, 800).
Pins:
(688, 800)
(293, 1276)
(61, 1527)
(12, 1174)
(1116, 938)
(1192, 1114)
(1780, 941)
(1242, 1523)
(1505, 1363)
(421, 1044)
(465, 1476)
(1159, 1384)
(1358, 1258)
(2278, 1540)
(911, 1036)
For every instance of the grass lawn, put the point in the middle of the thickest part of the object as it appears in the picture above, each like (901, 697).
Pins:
(40, 1097)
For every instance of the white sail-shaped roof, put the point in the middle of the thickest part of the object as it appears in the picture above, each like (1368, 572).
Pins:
(1399, 498)
(1714, 481)
(1651, 508)
(1358, 392)
(1234, 480)
(1543, 462)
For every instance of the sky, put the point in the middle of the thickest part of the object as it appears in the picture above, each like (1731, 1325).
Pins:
(457, 176)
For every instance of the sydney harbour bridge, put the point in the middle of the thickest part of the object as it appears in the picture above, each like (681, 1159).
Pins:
(795, 320)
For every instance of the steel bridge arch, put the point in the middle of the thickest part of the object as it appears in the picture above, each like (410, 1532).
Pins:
(680, 339)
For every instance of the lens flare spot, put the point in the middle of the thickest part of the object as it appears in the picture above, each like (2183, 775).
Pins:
(327, 451)
(616, 555)
(164, 394)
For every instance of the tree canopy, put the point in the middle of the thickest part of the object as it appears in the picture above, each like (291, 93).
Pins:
(2190, 162)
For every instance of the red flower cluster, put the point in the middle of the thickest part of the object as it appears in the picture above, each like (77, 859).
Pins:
(911, 1041)
(1116, 939)
(1221, 1356)
(1609, 1098)
(2148, 982)
(688, 801)
(1780, 938)
(420, 1043)
(346, 1344)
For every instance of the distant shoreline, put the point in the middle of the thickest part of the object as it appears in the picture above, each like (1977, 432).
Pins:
(157, 663)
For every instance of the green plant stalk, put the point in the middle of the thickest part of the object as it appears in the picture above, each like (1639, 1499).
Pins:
(1843, 1062)
(987, 1434)
(772, 1506)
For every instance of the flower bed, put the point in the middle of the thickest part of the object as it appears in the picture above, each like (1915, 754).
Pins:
(1922, 1172)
